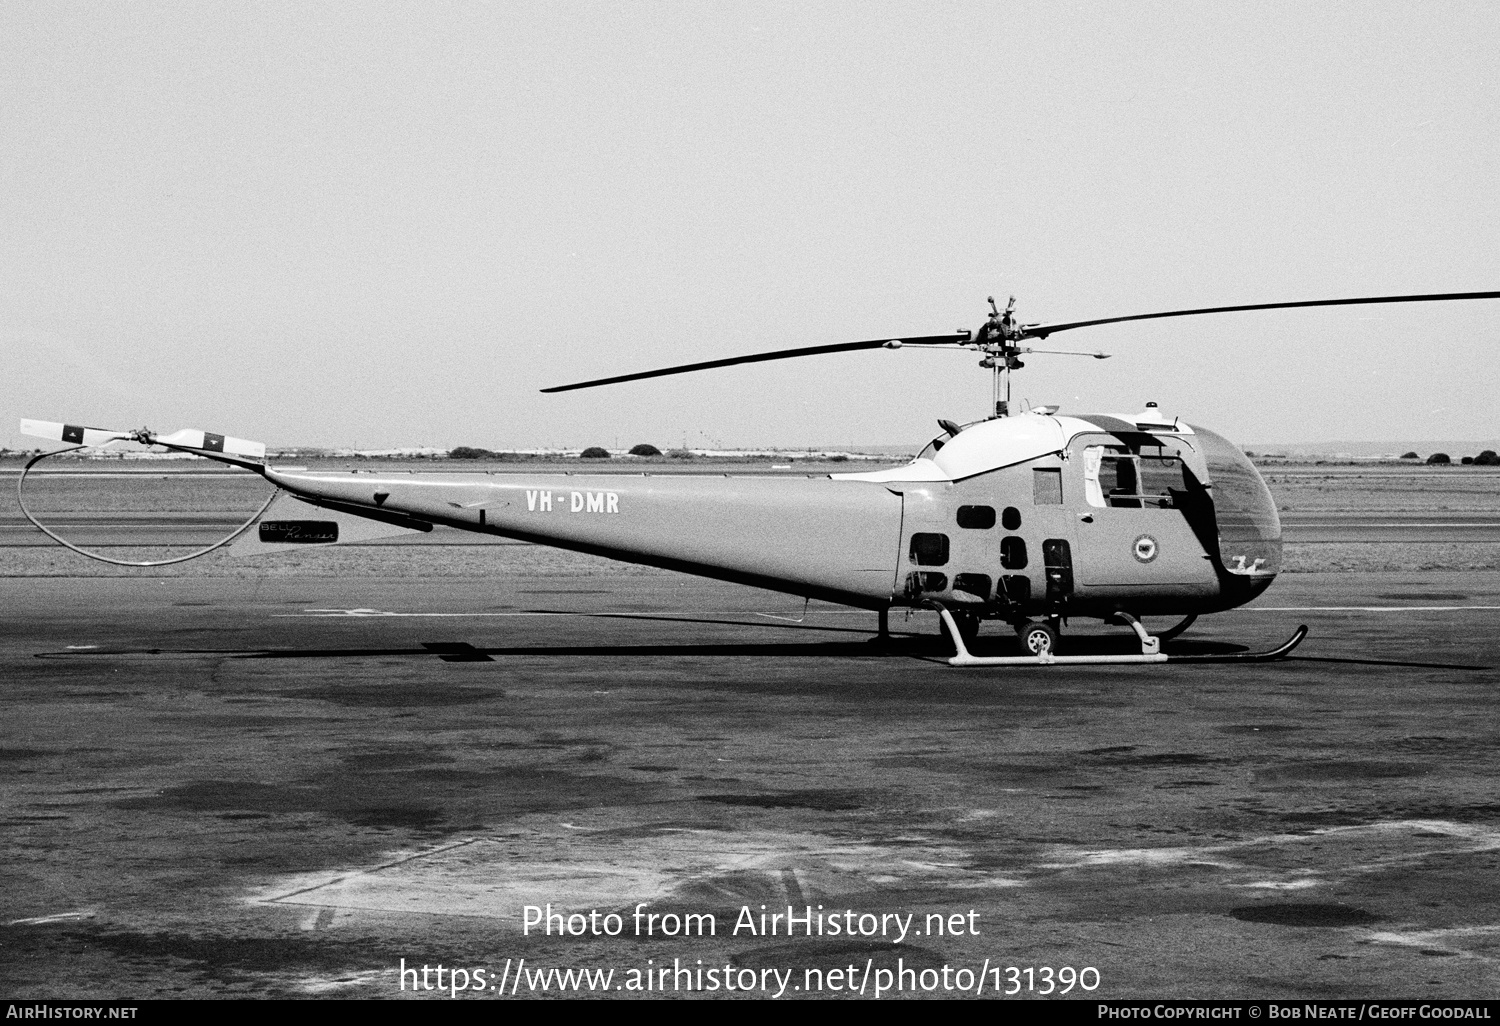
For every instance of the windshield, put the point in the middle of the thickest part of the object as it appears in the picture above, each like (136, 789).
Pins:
(933, 447)
(1249, 529)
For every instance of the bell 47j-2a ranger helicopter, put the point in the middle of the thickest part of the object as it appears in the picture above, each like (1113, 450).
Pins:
(1028, 518)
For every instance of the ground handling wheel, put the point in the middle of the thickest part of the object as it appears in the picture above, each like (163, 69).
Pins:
(1037, 638)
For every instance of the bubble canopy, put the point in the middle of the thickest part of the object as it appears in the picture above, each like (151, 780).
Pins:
(1249, 529)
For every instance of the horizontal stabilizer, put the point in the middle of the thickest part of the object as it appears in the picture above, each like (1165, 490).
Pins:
(293, 525)
(192, 438)
(71, 433)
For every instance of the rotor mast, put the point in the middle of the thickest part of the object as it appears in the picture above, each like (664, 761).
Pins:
(996, 340)
(999, 340)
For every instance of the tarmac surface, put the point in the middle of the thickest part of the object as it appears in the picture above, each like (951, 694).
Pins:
(158, 529)
(285, 787)
(97, 503)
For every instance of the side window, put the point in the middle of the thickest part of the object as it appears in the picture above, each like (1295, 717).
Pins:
(1011, 519)
(1016, 588)
(980, 518)
(1058, 560)
(1114, 477)
(1046, 487)
(917, 583)
(929, 549)
(1159, 478)
(1121, 485)
(977, 585)
(1013, 553)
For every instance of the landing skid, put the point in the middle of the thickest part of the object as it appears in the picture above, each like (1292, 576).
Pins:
(1150, 651)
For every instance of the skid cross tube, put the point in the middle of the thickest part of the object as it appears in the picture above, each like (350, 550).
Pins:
(1151, 651)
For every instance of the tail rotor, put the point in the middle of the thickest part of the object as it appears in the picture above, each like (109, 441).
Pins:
(222, 448)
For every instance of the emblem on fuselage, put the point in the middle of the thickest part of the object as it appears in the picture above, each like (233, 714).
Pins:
(1144, 548)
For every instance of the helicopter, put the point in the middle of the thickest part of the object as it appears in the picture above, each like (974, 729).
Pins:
(1027, 517)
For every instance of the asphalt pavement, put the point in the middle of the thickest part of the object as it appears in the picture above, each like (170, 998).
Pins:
(297, 787)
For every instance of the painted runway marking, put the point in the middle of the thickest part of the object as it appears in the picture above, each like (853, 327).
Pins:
(584, 864)
(1366, 609)
(315, 613)
(1311, 525)
(309, 882)
(1469, 840)
(60, 917)
(311, 614)
(319, 985)
(1441, 940)
(319, 918)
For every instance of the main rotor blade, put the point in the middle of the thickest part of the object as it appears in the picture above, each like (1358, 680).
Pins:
(780, 354)
(1043, 330)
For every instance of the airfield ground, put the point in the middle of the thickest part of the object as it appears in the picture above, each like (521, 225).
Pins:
(282, 777)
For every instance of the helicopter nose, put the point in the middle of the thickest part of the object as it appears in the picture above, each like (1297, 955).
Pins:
(1237, 589)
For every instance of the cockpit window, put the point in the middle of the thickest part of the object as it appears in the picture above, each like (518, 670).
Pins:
(1249, 529)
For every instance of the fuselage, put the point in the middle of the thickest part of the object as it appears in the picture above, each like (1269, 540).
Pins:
(1031, 515)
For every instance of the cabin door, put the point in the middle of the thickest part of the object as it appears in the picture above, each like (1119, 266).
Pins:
(1131, 533)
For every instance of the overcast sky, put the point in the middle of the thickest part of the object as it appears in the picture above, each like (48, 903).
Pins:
(384, 224)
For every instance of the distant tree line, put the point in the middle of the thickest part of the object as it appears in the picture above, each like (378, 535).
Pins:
(1488, 458)
(593, 452)
(469, 452)
(597, 452)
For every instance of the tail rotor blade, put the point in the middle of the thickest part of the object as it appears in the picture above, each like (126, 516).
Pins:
(188, 438)
(207, 441)
(73, 434)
